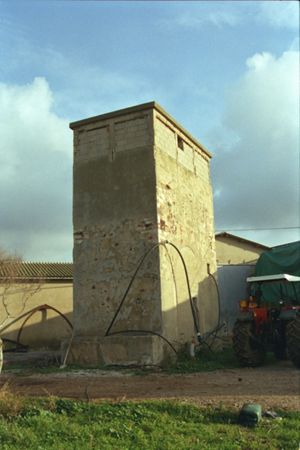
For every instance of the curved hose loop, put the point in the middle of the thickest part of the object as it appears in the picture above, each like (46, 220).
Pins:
(194, 314)
(37, 309)
(202, 339)
(173, 273)
(134, 276)
(130, 284)
(214, 332)
(145, 332)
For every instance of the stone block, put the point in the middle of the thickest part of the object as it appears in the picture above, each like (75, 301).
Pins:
(119, 350)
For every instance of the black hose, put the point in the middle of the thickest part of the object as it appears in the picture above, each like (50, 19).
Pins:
(219, 326)
(129, 286)
(201, 339)
(18, 346)
(146, 332)
(218, 294)
(108, 333)
(194, 314)
(135, 274)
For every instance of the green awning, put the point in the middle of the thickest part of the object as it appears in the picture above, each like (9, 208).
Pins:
(284, 259)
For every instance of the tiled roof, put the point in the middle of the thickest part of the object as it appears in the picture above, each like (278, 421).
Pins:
(34, 270)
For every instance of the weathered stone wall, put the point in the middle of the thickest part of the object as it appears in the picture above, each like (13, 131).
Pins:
(114, 225)
(139, 179)
(185, 218)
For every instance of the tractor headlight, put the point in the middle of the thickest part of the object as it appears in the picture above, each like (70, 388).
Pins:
(252, 305)
(243, 304)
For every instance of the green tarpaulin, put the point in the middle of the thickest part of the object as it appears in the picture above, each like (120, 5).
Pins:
(282, 259)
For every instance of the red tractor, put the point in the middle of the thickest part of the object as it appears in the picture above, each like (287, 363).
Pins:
(270, 319)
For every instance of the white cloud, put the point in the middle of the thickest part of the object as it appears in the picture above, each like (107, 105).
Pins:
(260, 186)
(198, 15)
(274, 13)
(217, 18)
(35, 172)
(280, 14)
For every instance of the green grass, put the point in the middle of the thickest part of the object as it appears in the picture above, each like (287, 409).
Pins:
(204, 361)
(159, 425)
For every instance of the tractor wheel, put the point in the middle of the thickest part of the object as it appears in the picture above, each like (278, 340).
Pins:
(280, 352)
(293, 340)
(279, 345)
(248, 349)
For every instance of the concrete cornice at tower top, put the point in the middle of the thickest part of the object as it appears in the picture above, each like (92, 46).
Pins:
(137, 108)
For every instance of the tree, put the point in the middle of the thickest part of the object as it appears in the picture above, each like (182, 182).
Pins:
(14, 291)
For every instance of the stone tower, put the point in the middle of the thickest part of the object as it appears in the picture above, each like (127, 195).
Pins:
(139, 179)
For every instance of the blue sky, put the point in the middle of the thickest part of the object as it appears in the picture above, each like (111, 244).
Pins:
(227, 71)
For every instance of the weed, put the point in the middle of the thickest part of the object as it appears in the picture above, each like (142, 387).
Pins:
(11, 405)
(204, 361)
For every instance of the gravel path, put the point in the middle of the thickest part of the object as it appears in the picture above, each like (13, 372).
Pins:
(276, 386)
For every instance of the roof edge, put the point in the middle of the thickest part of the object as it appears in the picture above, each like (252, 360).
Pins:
(137, 108)
(39, 280)
(238, 238)
(116, 113)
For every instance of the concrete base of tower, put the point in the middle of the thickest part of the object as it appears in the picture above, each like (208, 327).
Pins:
(117, 350)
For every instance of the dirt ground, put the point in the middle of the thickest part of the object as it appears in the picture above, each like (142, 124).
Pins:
(274, 386)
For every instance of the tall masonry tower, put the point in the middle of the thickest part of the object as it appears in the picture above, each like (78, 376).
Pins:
(139, 179)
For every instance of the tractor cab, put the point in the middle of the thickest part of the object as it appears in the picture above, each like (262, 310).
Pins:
(259, 302)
